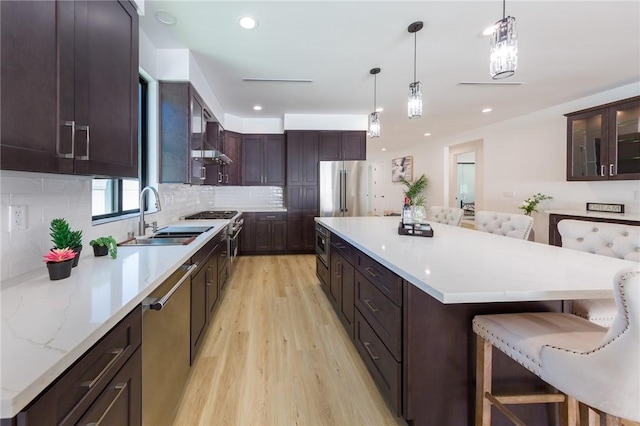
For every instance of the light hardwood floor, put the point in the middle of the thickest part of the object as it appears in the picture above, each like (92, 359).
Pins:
(276, 354)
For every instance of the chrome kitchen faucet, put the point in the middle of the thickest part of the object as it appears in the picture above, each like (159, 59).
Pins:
(142, 226)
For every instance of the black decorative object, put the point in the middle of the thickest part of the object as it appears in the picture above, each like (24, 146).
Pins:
(416, 229)
(59, 270)
(605, 208)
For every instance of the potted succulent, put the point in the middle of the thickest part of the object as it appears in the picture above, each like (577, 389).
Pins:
(62, 236)
(59, 263)
(103, 245)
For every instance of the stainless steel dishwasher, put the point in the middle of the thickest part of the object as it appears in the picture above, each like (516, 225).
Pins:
(165, 347)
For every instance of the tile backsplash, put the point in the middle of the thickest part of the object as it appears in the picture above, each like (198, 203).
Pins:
(49, 196)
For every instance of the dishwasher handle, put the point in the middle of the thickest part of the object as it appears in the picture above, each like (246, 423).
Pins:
(159, 303)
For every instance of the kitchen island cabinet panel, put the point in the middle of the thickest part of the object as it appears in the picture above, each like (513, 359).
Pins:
(76, 110)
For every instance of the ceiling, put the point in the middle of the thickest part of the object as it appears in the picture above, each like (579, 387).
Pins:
(567, 50)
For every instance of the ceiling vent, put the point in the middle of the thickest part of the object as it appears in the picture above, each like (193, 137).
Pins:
(278, 80)
(491, 83)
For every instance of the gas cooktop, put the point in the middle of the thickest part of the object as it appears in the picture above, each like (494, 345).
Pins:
(213, 214)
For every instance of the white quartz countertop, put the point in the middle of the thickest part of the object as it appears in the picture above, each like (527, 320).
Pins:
(602, 215)
(47, 325)
(459, 265)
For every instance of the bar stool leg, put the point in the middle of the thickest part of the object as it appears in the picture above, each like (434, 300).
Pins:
(568, 411)
(588, 417)
(611, 420)
(483, 381)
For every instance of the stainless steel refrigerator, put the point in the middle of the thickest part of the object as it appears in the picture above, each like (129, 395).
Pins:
(343, 188)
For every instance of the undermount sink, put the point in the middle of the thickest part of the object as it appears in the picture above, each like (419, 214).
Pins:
(165, 240)
(168, 236)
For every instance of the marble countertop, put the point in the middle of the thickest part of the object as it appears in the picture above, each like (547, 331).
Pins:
(47, 325)
(604, 215)
(459, 265)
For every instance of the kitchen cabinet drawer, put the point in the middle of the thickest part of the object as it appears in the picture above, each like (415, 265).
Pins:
(77, 389)
(119, 402)
(385, 370)
(322, 271)
(346, 250)
(382, 315)
(389, 283)
(271, 216)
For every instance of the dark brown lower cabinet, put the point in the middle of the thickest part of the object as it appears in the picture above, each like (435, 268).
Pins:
(112, 367)
(271, 232)
(341, 290)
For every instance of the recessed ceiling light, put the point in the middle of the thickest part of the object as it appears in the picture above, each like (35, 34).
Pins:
(379, 109)
(248, 23)
(383, 149)
(487, 110)
(427, 134)
(257, 108)
(165, 17)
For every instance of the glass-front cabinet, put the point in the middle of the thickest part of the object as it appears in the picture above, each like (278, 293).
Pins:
(603, 143)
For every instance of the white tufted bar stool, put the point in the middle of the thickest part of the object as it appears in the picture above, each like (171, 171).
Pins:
(583, 361)
(447, 215)
(507, 224)
(606, 239)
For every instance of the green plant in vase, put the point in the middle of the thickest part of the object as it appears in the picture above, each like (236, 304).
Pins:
(103, 245)
(414, 192)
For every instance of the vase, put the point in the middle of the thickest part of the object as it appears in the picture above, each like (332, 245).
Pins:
(77, 251)
(59, 270)
(100, 250)
(418, 214)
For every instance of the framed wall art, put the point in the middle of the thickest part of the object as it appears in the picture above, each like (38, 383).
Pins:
(402, 168)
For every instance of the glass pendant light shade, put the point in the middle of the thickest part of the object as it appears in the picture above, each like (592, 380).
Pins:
(374, 117)
(504, 49)
(374, 125)
(415, 100)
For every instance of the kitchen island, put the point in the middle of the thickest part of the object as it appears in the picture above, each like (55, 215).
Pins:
(449, 278)
(48, 325)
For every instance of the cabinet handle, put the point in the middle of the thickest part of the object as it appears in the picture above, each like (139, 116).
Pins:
(339, 267)
(120, 387)
(116, 355)
(370, 306)
(366, 346)
(86, 130)
(219, 177)
(603, 170)
(372, 272)
(339, 245)
(271, 217)
(71, 124)
(611, 169)
(203, 172)
(226, 178)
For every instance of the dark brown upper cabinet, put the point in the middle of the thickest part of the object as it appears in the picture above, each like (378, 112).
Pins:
(69, 87)
(348, 145)
(302, 158)
(232, 147)
(183, 135)
(603, 143)
(263, 160)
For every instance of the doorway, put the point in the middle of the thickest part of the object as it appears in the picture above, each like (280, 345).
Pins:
(465, 177)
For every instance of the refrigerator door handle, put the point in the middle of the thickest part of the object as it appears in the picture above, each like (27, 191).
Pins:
(340, 189)
(344, 192)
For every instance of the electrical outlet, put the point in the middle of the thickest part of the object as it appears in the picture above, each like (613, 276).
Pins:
(18, 217)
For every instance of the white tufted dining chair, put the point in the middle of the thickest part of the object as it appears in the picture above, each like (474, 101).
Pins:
(606, 239)
(507, 224)
(588, 363)
(447, 215)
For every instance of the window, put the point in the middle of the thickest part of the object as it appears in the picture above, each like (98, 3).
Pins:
(117, 197)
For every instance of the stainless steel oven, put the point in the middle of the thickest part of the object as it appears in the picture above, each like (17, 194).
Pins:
(235, 227)
(322, 244)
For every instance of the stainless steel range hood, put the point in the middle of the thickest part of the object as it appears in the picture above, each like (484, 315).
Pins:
(212, 156)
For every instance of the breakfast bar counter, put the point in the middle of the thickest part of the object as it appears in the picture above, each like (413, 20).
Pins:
(447, 279)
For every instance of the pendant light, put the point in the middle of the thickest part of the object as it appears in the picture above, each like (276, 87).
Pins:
(374, 117)
(414, 107)
(504, 47)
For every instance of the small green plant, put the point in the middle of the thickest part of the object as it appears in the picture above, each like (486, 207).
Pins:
(108, 242)
(415, 189)
(62, 236)
(529, 205)
(75, 239)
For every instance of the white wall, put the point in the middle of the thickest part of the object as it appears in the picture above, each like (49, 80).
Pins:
(525, 155)
(325, 121)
